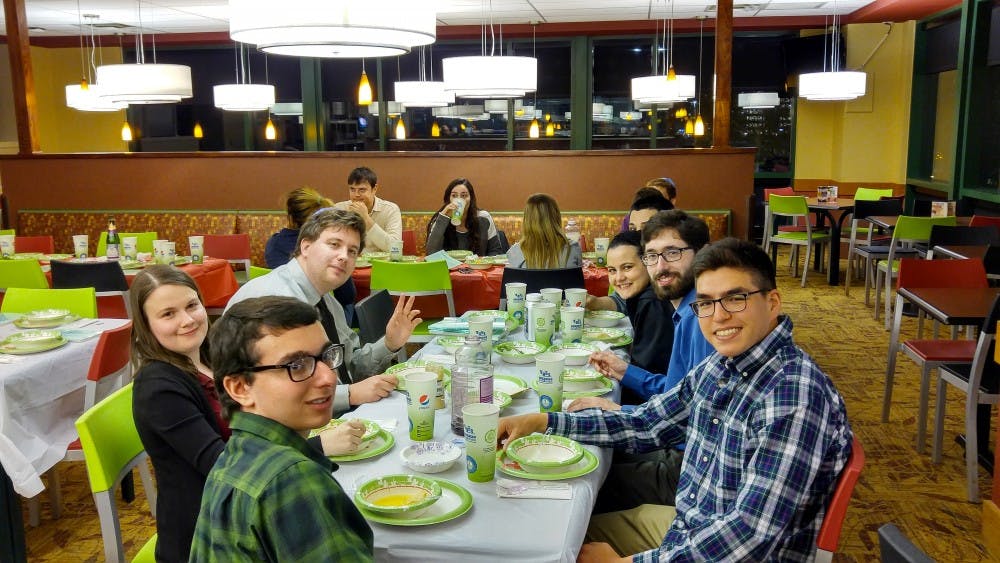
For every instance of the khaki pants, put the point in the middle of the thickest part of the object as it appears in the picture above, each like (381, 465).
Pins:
(632, 531)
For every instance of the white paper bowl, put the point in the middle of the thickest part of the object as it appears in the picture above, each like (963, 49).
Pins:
(398, 494)
(580, 380)
(430, 457)
(544, 453)
(520, 352)
(576, 353)
(602, 319)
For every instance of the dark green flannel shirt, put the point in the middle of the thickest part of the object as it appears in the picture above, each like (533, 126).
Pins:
(272, 497)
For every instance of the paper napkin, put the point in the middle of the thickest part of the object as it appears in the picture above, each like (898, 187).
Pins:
(509, 488)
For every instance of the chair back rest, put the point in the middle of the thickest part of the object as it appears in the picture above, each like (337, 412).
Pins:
(984, 362)
(789, 205)
(411, 277)
(409, 242)
(864, 209)
(143, 241)
(505, 244)
(112, 353)
(961, 235)
(257, 271)
(895, 547)
(917, 229)
(373, 314)
(536, 280)
(915, 272)
(829, 531)
(982, 220)
(102, 276)
(109, 439)
(8, 232)
(230, 247)
(871, 194)
(80, 301)
(777, 191)
(44, 244)
(991, 260)
(22, 273)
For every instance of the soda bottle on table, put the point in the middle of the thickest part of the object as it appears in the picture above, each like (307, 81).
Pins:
(471, 380)
(114, 241)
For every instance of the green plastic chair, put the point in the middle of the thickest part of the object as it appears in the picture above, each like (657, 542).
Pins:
(871, 194)
(7, 232)
(796, 206)
(907, 232)
(257, 271)
(143, 242)
(111, 447)
(22, 273)
(148, 552)
(80, 301)
(415, 278)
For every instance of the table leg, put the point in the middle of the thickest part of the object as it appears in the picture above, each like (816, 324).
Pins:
(12, 547)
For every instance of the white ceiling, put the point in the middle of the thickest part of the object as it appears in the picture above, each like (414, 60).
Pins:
(48, 18)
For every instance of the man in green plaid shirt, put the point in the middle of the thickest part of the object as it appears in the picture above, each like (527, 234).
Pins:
(271, 496)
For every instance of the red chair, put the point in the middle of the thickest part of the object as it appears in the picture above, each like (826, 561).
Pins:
(833, 522)
(43, 244)
(930, 354)
(235, 248)
(409, 242)
(110, 369)
(984, 221)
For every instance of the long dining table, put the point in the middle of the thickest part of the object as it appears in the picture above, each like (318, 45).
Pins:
(41, 396)
(509, 529)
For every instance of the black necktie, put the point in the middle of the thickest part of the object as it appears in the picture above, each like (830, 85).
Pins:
(326, 319)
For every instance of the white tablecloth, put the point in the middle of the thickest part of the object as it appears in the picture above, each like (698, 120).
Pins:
(495, 528)
(41, 396)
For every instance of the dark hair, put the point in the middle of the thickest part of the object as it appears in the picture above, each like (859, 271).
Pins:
(653, 201)
(471, 214)
(301, 203)
(666, 184)
(362, 174)
(692, 230)
(740, 255)
(627, 238)
(645, 192)
(234, 337)
(145, 346)
(326, 218)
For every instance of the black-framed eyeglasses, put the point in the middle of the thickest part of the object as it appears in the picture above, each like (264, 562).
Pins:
(669, 255)
(304, 367)
(733, 303)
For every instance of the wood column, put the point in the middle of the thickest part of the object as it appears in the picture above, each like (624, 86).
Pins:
(723, 73)
(22, 79)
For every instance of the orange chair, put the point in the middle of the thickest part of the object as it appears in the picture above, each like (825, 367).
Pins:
(984, 221)
(833, 522)
(43, 244)
(110, 369)
(409, 242)
(929, 354)
(235, 248)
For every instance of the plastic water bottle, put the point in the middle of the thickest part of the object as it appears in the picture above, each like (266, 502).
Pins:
(114, 241)
(471, 380)
(456, 216)
(573, 231)
(529, 321)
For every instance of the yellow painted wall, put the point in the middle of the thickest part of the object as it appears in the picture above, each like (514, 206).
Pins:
(863, 141)
(64, 129)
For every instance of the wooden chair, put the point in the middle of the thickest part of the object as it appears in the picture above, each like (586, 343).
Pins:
(833, 521)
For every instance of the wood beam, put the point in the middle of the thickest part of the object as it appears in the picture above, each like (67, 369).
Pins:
(723, 74)
(21, 76)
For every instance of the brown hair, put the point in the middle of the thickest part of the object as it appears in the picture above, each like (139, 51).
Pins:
(543, 240)
(471, 214)
(326, 218)
(145, 346)
(301, 203)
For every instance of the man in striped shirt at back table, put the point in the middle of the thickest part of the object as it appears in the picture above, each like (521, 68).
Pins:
(766, 431)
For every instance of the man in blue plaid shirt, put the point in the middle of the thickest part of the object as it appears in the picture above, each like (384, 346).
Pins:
(766, 431)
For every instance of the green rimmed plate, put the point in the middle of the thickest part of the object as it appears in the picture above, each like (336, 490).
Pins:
(58, 256)
(500, 398)
(362, 263)
(410, 258)
(378, 445)
(27, 321)
(592, 334)
(500, 260)
(371, 428)
(28, 256)
(479, 263)
(412, 366)
(181, 260)
(592, 256)
(519, 352)
(459, 254)
(602, 319)
(32, 342)
(509, 384)
(455, 501)
(624, 340)
(131, 264)
(375, 255)
(451, 344)
(586, 464)
(398, 494)
(589, 388)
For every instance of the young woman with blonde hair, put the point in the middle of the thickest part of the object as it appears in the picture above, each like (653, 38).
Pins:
(543, 246)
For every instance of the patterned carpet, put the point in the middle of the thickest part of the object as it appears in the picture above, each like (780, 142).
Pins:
(898, 485)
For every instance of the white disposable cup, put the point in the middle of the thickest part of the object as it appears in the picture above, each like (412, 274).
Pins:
(80, 245)
(576, 297)
(169, 252)
(197, 245)
(544, 322)
(130, 247)
(7, 246)
(396, 251)
(553, 295)
(481, 420)
(549, 383)
(421, 388)
(516, 294)
(158, 251)
(601, 248)
(481, 325)
(572, 323)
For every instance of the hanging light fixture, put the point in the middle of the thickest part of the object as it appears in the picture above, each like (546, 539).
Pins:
(689, 126)
(198, 132)
(435, 129)
(488, 76)
(834, 84)
(141, 82)
(126, 132)
(758, 100)
(423, 93)
(86, 95)
(270, 133)
(699, 123)
(364, 88)
(533, 132)
(333, 28)
(243, 95)
(550, 129)
(668, 87)
(400, 129)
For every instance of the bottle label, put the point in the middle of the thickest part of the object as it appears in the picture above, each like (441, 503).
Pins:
(112, 252)
(486, 390)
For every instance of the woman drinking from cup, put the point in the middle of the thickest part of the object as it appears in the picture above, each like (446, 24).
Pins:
(543, 246)
(460, 225)
(175, 405)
